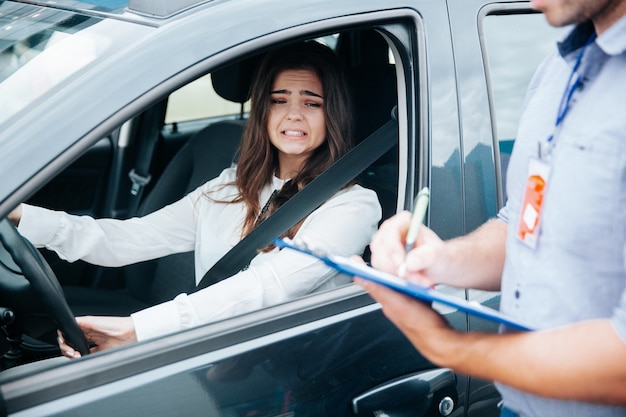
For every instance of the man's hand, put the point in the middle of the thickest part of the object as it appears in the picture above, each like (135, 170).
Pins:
(420, 265)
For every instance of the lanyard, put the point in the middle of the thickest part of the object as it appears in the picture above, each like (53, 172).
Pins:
(573, 83)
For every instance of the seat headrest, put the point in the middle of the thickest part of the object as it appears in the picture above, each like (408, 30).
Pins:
(375, 95)
(234, 81)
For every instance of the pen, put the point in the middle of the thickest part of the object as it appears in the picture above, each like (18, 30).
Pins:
(417, 219)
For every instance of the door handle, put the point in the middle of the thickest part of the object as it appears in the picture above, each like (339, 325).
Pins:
(429, 393)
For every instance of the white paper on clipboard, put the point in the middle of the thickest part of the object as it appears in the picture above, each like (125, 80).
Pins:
(350, 267)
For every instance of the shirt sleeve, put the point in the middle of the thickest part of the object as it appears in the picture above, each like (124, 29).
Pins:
(343, 225)
(113, 242)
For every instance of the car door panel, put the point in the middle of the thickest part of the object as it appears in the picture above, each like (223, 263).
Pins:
(314, 369)
(421, 393)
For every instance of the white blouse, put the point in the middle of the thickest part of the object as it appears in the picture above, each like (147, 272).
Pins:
(343, 225)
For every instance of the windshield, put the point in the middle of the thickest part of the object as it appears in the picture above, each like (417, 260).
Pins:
(41, 48)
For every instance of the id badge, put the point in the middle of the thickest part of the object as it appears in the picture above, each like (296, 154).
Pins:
(530, 215)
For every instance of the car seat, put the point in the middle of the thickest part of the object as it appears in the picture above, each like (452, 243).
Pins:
(374, 101)
(203, 157)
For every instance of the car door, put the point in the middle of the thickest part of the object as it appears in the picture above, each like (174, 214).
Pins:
(328, 354)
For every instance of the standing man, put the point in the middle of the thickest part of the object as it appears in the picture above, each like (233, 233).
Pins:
(557, 250)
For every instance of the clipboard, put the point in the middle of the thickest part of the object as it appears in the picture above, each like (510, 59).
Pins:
(422, 293)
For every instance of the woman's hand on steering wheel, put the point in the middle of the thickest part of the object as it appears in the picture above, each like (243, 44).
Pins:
(48, 296)
(102, 332)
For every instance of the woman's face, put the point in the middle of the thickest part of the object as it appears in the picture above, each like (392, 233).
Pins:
(296, 123)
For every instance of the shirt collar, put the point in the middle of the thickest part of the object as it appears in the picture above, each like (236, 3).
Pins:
(612, 41)
(278, 183)
(576, 39)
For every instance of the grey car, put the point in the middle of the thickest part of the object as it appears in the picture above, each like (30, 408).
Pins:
(114, 108)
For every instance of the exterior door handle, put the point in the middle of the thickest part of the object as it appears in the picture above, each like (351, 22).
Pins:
(429, 393)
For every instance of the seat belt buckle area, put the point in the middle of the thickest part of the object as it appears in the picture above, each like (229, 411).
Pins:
(139, 181)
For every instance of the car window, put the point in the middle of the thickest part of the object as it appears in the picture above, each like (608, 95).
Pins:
(199, 100)
(202, 126)
(515, 45)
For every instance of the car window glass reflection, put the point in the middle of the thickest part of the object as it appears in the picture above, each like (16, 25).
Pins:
(515, 45)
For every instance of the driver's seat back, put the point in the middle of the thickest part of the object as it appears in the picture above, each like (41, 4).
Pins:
(198, 161)
(202, 158)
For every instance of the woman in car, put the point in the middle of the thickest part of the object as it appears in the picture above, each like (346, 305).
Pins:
(298, 126)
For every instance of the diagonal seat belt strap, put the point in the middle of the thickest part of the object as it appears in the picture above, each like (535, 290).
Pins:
(304, 202)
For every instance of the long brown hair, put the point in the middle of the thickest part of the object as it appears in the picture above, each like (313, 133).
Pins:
(258, 158)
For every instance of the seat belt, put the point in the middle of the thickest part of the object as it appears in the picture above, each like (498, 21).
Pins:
(304, 202)
(152, 121)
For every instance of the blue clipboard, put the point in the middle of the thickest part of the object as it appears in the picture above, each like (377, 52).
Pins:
(350, 267)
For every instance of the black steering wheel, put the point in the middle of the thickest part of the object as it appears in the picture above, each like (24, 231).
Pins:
(43, 283)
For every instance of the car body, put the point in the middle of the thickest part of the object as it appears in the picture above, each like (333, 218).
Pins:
(69, 111)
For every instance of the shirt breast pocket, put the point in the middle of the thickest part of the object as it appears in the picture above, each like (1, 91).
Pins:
(584, 191)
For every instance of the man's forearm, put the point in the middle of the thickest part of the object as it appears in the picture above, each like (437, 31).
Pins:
(583, 362)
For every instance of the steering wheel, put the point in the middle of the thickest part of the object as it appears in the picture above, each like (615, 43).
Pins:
(43, 283)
